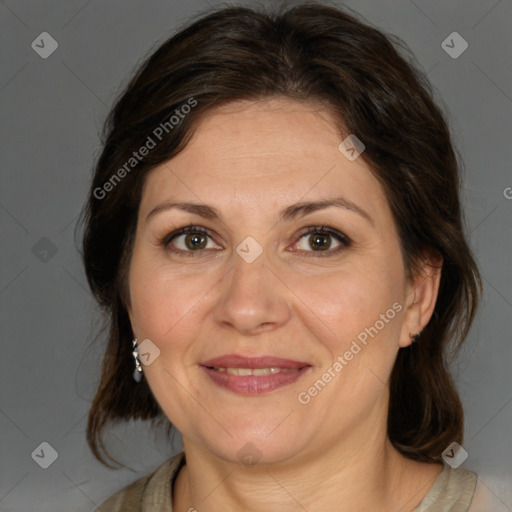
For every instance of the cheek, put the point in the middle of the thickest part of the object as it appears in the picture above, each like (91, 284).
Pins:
(361, 315)
(164, 301)
(348, 302)
(361, 312)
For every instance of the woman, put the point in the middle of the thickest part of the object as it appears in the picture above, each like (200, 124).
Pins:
(274, 230)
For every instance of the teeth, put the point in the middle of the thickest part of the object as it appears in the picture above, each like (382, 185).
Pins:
(256, 371)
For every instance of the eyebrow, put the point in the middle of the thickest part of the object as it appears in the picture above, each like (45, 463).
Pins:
(289, 213)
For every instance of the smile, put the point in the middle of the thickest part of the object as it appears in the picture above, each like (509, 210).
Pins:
(255, 371)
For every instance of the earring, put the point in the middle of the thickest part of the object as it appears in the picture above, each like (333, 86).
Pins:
(137, 373)
(414, 337)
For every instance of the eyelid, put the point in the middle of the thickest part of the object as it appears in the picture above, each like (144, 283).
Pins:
(344, 240)
(167, 238)
(341, 237)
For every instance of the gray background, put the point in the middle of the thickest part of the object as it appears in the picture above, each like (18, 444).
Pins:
(52, 110)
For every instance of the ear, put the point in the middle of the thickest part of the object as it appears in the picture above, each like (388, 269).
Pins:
(421, 298)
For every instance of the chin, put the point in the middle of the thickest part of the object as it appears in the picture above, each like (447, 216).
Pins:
(254, 445)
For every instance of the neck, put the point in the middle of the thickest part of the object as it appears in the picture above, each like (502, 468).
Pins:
(349, 476)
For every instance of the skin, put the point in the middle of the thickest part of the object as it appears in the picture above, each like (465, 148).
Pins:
(250, 160)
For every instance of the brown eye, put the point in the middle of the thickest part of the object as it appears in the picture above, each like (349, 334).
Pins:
(320, 240)
(195, 241)
(187, 240)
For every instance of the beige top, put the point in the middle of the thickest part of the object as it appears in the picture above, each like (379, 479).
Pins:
(452, 491)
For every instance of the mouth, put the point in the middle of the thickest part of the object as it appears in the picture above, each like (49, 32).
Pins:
(255, 371)
(253, 375)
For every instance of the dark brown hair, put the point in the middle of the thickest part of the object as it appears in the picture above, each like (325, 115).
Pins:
(368, 81)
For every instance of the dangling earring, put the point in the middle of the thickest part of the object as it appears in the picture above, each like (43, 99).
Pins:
(137, 373)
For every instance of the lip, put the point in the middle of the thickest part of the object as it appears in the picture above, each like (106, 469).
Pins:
(236, 361)
(253, 384)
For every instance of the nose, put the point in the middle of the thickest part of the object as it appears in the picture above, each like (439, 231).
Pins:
(252, 298)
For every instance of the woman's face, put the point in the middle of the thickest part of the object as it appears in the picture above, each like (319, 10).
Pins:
(255, 278)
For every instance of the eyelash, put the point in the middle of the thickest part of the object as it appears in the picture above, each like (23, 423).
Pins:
(344, 240)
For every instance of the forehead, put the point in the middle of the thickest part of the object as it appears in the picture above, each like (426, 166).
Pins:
(257, 156)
